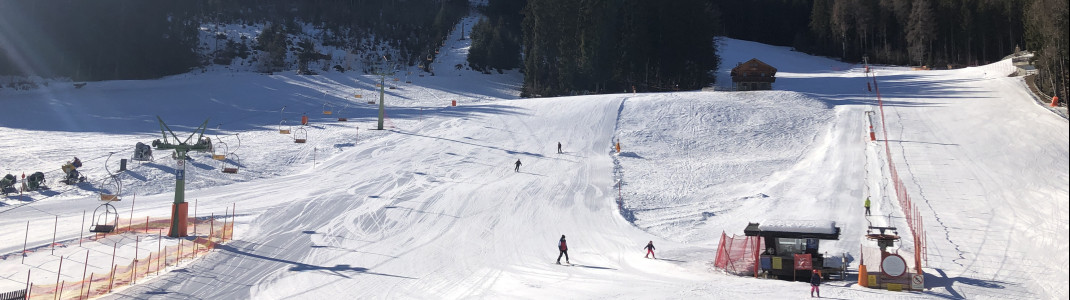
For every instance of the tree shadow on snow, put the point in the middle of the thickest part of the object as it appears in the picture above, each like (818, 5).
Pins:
(135, 175)
(161, 167)
(337, 270)
(471, 144)
(836, 90)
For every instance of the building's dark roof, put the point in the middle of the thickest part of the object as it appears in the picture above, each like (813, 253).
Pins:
(753, 70)
(753, 229)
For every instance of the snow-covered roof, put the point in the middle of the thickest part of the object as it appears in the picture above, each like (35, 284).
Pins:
(800, 226)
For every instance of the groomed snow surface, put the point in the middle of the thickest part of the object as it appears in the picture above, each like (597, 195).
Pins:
(431, 207)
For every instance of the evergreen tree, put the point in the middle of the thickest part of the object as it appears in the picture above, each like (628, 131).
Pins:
(272, 42)
(920, 31)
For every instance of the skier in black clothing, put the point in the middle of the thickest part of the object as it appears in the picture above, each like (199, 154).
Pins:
(559, 147)
(650, 250)
(564, 250)
(815, 283)
(517, 165)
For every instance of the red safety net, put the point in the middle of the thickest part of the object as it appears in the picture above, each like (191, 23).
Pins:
(738, 254)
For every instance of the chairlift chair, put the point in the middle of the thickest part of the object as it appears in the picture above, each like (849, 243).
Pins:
(301, 135)
(105, 218)
(327, 109)
(106, 194)
(343, 119)
(222, 154)
(283, 129)
(234, 169)
(109, 195)
(233, 157)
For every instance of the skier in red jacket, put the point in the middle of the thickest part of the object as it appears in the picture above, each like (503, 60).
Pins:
(564, 250)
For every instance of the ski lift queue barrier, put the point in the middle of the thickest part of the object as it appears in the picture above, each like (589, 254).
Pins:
(210, 232)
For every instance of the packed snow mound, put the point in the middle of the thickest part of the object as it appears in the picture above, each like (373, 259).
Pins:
(689, 158)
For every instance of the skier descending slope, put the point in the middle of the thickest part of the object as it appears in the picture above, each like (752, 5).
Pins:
(564, 250)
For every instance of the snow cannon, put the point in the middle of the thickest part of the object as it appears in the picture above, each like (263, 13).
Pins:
(7, 184)
(142, 152)
(36, 181)
(71, 170)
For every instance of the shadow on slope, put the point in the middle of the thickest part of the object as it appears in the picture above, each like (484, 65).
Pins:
(337, 270)
(230, 102)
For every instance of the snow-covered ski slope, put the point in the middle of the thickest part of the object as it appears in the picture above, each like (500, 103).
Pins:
(432, 208)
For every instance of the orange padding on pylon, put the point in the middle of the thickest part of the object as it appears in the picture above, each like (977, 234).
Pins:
(863, 280)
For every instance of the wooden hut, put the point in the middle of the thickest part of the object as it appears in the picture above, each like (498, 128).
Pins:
(753, 75)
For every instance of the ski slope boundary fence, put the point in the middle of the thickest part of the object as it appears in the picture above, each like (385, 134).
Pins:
(207, 234)
(910, 211)
(738, 254)
(13, 295)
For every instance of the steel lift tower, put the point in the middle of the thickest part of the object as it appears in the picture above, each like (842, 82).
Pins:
(180, 209)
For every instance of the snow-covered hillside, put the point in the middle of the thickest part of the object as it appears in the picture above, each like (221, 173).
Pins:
(431, 207)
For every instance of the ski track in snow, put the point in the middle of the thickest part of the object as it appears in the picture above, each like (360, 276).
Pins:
(430, 207)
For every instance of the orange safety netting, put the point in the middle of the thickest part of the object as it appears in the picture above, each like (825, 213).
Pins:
(209, 233)
(738, 254)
